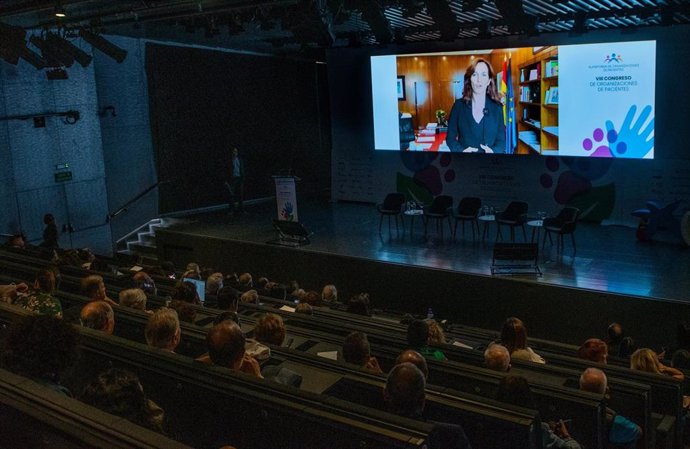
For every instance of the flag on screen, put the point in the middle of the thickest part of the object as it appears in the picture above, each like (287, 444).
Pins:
(509, 111)
(503, 87)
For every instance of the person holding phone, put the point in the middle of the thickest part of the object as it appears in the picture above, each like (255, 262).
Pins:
(476, 122)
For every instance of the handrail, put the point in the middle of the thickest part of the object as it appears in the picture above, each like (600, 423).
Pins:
(123, 208)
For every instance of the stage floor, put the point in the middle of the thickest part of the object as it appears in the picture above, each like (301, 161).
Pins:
(608, 258)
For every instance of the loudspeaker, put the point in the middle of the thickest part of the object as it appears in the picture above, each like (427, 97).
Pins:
(290, 233)
(514, 258)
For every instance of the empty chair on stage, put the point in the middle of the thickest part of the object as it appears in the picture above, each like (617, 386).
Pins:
(562, 224)
(438, 210)
(513, 216)
(468, 210)
(392, 206)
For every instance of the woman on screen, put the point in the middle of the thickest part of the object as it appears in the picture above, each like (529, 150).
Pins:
(476, 120)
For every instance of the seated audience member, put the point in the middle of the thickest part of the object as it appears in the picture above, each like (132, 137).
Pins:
(311, 297)
(98, 315)
(304, 308)
(515, 390)
(186, 292)
(228, 299)
(163, 329)
(415, 358)
(681, 359)
(168, 269)
(497, 358)
(594, 350)
(621, 431)
(359, 304)
(214, 283)
(250, 296)
(94, 288)
(120, 393)
(329, 295)
(17, 241)
(356, 350)
(227, 315)
(404, 391)
(615, 336)
(647, 360)
(277, 291)
(514, 338)
(418, 339)
(246, 282)
(261, 283)
(143, 281)
(194, 270)
(185, 311)
(436, 334)
(405, 396)
(40, 298)
(42, 348)
(9, 292)
(134, 298)
(269, 329)
(291, 291)
(99, 265)
(226, 348)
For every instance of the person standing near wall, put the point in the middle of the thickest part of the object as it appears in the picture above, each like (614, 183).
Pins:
(236, 185)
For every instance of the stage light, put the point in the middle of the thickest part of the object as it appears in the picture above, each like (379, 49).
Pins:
(445, 19)
(13, 47)
(57, 74)
(515, 17)
(60, 12)
(104, 46)
(55, 56)
(579, 23)
(79, 55)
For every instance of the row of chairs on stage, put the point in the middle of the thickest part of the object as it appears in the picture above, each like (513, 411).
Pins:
(468, 210)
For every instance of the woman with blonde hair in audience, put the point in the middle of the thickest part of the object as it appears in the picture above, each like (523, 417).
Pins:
(514, 337)
(436, 335)
(647, 360)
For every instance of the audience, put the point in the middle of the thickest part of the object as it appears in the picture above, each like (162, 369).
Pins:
(514, 338)
(436, 334)
(9, 292)
(225, 344)
(143, 281)
(311, 297)
(415, 358)
(359, 304)
(185, 291)
(594, 350)
(497, 358)
(98, 315)
(245, 282)
(17, 241)
(269, 329)
(40, 298)
(305, 308)
(94, 289)
(134, 298)
(120, 393)
(185, 311)
(647, 360)
(50, 232)
(214, 283)
(515, 390)
(681, 359)
(250, 296)
(42, 348)
(418, 339)
(163, 329)
(621, 431)
(227, 299)
(329, 295)
(356, 350)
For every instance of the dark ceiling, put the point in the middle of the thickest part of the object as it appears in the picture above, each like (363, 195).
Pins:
(307, 27)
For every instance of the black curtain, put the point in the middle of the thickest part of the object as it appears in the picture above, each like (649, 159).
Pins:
(204, 102)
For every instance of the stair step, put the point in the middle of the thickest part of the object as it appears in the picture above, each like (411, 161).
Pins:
(143, 248)
(148, 259)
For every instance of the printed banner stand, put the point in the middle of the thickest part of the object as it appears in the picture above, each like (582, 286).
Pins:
(290, 231)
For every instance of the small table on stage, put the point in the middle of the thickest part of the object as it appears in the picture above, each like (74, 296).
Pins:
(486, 219)
(413, 213)
(536, 226)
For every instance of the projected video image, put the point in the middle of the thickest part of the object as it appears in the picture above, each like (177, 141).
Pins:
(593, 100)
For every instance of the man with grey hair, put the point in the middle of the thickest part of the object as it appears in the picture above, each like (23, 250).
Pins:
(98, 315)
(134, 298)
(621, 431)
(497, 358)
(163, 329)
(214, 283)
(329, 294)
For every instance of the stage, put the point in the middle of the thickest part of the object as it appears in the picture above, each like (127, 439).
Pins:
(612, 275)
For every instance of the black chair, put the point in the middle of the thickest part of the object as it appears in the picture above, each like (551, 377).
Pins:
(562, 224)
(438, 210)
(392, 206)
(514, 215)
(406, 130)
(467, 210)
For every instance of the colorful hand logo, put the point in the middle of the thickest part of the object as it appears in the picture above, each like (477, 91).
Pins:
(631, 141)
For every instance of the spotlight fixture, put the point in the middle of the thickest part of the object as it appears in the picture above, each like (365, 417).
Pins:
(60, 12)
(57, 74)
(56, 56)
(579, 23)
(104, 46)
(13, 47)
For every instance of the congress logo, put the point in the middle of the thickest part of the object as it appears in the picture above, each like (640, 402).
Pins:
(613, 58)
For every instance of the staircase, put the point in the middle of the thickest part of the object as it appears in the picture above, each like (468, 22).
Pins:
(142, 241)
